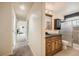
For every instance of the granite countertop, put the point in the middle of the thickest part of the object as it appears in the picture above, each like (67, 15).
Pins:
(52, 35)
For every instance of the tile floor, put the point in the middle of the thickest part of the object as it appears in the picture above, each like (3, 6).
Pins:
(23, 51)
(26, 51)
(68, 52)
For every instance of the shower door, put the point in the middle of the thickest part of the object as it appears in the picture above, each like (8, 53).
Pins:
(66, 31)
(76, 31)
(70, 28)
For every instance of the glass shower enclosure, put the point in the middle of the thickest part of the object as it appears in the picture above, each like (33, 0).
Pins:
(70, 30)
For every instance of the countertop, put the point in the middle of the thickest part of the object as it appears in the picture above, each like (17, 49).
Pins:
(52, 35)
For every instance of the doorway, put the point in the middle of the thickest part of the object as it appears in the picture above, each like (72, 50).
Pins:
(21, 33)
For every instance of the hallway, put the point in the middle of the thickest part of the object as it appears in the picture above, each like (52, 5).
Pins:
(23, 51)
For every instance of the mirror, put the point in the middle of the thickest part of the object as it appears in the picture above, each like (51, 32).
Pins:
(57, 24)
(48, 22)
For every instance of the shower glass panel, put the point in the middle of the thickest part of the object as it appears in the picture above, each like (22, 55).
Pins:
(74, 23)
(70, 31)
(76, 31)
(78, 23)
(66, 30)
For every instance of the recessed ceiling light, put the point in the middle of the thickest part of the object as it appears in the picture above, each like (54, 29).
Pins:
(22, 7)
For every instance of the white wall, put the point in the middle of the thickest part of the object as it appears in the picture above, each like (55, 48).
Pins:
(35, 29)
(5, 29)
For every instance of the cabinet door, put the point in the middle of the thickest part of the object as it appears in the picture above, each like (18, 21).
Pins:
(48, 47)
(53, 46)
(58, 43)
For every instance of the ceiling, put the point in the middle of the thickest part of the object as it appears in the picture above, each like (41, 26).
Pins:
(63, 8)
(58, 8)
(22, 9)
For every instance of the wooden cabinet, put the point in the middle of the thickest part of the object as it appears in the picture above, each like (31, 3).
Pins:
(53, 45)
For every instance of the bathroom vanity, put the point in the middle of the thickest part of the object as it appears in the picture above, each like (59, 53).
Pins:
(53, 44)
(53, 38)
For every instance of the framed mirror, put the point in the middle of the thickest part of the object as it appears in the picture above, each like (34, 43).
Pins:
(57, 24)
(48, 21)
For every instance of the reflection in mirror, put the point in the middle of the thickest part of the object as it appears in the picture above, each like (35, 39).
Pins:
(48, 22)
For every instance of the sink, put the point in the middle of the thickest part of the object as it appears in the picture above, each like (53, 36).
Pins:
(52, 33)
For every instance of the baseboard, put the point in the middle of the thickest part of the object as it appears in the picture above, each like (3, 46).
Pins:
(34, 54)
